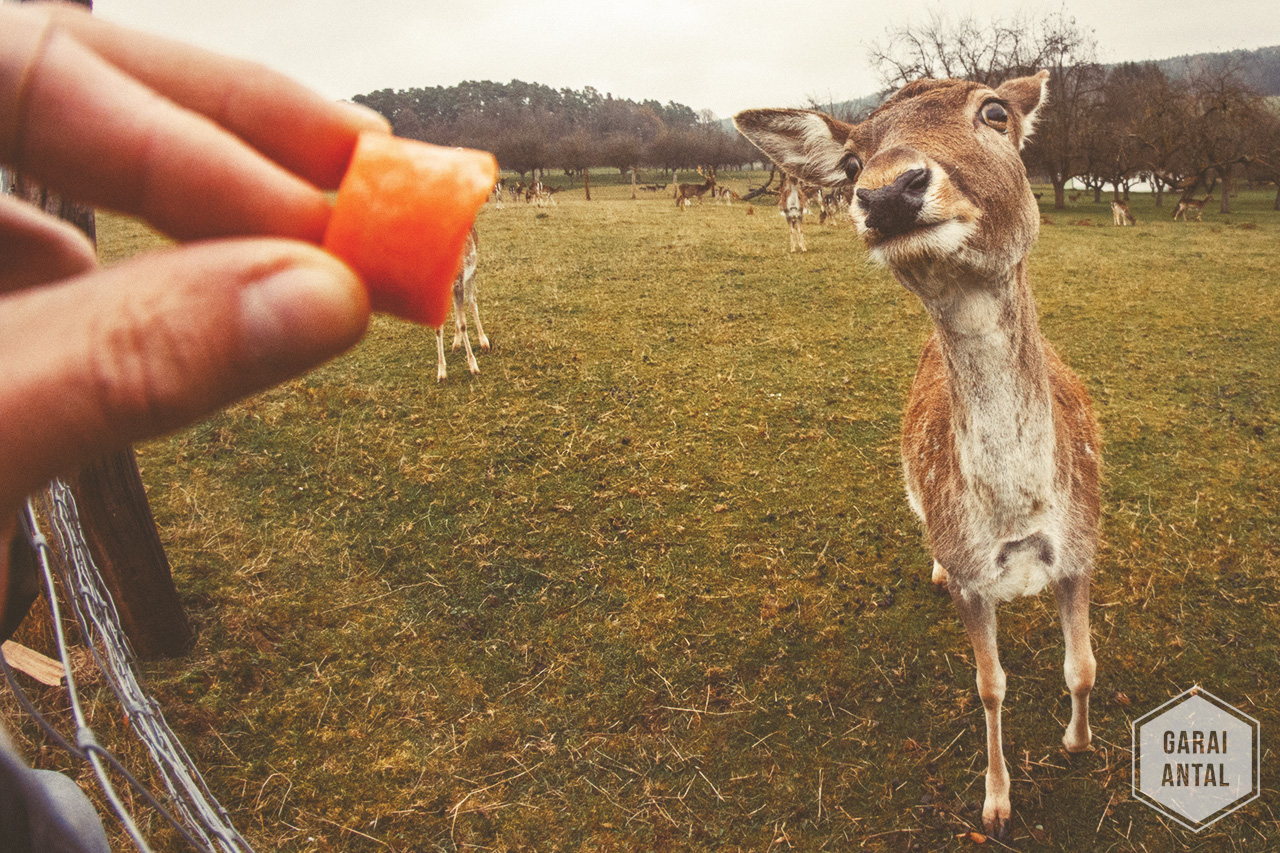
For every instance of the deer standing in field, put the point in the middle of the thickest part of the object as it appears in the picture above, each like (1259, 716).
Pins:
(464, 296)
(686, 193)
(791, 204)
(834, 203)
(1000, 446)
(727, 196)
(1186, 205)
(1121, 214)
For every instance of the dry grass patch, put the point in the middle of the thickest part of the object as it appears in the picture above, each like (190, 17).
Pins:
(650, 581)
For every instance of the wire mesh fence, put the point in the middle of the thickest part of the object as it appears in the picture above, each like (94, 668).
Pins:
(199, 818)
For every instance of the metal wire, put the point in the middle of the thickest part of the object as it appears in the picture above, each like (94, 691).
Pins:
(203, 820)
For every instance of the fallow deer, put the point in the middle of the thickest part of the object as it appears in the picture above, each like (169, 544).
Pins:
(834, 203)
(1121, 214)
(464, 296)
(791, 204)
(1000, 446)
(686, 193)
(1186, 205)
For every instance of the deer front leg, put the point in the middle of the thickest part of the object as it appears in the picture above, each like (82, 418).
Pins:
(471, 358)
(1078, 665)
(440, 371)
(979, 618)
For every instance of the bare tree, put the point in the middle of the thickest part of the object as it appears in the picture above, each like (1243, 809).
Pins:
(1162, 132)
(1224, 113)
(991, 51)
(1263, 163)
(1117, 119)
(985, 51)
(576, 154)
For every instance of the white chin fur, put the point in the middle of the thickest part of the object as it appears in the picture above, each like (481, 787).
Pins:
(945, 239)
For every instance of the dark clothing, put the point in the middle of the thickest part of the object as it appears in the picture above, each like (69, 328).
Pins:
(44, 812)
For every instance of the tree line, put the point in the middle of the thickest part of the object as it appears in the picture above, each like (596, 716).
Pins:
(532, 128)
(1201, 131)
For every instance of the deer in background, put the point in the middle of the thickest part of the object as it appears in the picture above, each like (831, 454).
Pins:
(1000, 446)
(686, 193)
(1185, 205)
(1121, 214)
(791, 204)
(834, 203)
(464, 296)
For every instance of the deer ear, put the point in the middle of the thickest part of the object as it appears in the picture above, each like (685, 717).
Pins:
(1027, 95)
(806, 145)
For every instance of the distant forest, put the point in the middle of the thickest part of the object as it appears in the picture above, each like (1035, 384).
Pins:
(1259, 69)
(1185, 124)
(530, 126)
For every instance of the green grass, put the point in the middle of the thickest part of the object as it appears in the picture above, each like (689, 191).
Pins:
(650, 582)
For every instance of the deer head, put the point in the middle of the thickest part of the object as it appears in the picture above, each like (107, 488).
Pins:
(940, 186)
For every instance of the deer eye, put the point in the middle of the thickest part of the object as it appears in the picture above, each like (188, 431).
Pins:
(995, 116)
(852, 167)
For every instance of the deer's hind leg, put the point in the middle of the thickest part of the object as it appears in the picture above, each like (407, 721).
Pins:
(481, 337)
(1079, 666)
(470, 299)
(459, 314)
(460, 336)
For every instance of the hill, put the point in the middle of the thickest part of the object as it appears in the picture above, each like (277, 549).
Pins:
(1259, 68)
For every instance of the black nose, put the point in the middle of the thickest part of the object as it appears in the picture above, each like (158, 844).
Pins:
(893, 209)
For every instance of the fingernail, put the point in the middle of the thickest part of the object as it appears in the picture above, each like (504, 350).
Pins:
(301, 315)
(367, 117)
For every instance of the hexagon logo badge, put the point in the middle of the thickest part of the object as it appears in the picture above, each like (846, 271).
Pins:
(1196, 759)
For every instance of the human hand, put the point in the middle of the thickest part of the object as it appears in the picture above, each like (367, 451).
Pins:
(225, 156)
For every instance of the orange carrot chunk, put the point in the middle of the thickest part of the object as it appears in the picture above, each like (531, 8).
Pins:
(401, 220)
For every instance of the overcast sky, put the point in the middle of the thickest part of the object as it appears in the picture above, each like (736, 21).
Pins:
(721, 55)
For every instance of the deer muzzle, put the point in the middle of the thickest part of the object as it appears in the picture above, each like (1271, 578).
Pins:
(894, 208)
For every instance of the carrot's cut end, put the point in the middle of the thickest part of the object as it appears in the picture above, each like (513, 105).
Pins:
(401, 220)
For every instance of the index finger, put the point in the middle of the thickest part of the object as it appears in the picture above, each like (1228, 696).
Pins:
(291, 124)
(78, 123)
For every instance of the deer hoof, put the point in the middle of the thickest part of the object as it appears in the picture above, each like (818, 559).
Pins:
(1073, 743)
(997, 818)
(939, 575)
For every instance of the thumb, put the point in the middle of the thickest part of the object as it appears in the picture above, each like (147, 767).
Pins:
(101, 361)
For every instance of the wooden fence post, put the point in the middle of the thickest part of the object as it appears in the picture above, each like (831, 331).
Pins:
(121, 534)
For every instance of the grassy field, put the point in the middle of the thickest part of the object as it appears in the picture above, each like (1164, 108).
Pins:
(650, 583)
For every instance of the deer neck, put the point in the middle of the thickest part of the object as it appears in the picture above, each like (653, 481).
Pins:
(1001, 410)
